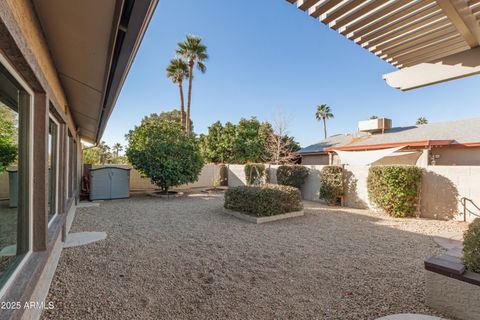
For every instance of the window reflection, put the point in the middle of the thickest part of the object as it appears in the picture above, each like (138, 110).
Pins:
(14, 218)
(52, 168)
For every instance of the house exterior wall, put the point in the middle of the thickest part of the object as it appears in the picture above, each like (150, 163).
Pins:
(457, 156)
(25, 50)
(315, 159)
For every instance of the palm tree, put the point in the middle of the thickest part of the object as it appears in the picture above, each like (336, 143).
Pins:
(421, 120)
(195, 53)
(177, 71)
(117, 148)
(323, 113)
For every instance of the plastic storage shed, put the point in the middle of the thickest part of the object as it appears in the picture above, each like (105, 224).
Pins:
(109, 183)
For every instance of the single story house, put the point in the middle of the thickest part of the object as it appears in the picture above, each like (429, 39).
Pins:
(62, 66)
(445, 143)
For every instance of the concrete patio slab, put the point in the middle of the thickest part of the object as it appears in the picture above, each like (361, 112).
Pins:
(447, 243)
(83, 238)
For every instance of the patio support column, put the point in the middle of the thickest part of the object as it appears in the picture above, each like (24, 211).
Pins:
(40, 172)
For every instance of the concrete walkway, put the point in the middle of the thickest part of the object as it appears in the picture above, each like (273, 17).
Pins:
(83, 238)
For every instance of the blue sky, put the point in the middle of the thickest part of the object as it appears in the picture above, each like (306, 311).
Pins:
(267, 55)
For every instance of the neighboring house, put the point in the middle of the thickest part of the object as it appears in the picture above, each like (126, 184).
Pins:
(446, 143)
(62, 66)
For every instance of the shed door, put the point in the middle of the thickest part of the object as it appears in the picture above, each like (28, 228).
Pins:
(100, 184)
(120, 183)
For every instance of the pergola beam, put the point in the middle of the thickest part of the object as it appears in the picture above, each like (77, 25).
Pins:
(452, 67)
(462, 18)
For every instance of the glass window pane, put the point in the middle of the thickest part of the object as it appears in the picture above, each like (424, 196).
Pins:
(14, 102)
(52, 168)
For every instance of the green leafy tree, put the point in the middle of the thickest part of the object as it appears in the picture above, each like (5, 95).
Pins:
(373, 117)
(195, 54)
(91, 155)
(323, 114)
(251, 140)
(178, 71)
(421, 120)
(158, 149)
(8, 138)
(218, 145)
(174, 115)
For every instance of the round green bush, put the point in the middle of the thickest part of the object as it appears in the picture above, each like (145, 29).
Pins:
(331, 183)
(471, 247)
(254, 173)
(395, 189)
(160, 150)
(293, 175)
(267, 200)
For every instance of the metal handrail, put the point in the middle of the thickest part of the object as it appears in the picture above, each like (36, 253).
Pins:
(464, 200)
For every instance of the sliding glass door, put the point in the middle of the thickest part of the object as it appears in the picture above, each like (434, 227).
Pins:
(14, 174)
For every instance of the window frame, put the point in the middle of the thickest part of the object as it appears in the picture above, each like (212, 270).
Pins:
(27, 178)
(52, 117)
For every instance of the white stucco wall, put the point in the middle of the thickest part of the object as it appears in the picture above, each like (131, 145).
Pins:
(207, 177)
(442, 188)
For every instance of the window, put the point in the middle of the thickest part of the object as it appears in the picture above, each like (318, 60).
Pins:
(71, 165)
(52, 168)
(14, 174)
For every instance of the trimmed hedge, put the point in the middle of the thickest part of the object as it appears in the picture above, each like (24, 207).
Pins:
(331, 183)
(293, 175)
(254, 173)
(395, 189)
(267, 200)
(471, 247)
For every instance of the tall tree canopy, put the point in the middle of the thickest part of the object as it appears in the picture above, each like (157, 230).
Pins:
(178, 71)
(248, 141)
(194, 52)
(323, 113)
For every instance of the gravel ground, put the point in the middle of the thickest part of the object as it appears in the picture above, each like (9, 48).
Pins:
(185, 259)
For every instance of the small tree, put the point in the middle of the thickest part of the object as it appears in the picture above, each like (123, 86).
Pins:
(160, 150)
(280, 147)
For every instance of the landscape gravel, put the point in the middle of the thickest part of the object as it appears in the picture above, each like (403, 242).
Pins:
(184, 258)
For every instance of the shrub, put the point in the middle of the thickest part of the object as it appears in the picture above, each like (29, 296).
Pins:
(254, 173)
(395, 189)
(160, 150)
(267, 200)
(331, 183)
(471, 247)
(293, 176)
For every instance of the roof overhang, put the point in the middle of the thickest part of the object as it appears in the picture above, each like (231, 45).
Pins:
(439, 37)
(411, 144)
(93, 44)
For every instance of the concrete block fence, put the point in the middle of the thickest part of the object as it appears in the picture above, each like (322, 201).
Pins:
(442, 186)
